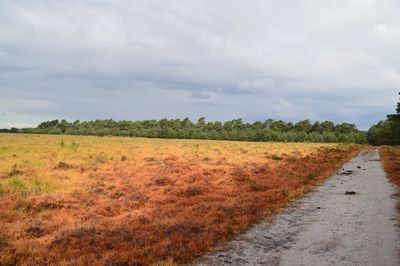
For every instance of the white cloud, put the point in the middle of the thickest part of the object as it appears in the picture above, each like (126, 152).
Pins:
(21, 124)
(389, 33)
(391, 76)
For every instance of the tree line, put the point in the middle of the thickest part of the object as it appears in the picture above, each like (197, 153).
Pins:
(386, 132)
(269, 130)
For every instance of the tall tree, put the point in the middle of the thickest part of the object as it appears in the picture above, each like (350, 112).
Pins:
(386, 132)
(396, 117)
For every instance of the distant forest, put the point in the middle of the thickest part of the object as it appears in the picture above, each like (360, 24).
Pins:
(385, 132)
(269, 130)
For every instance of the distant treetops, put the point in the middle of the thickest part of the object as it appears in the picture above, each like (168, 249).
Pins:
(269, 130)
(386, 132)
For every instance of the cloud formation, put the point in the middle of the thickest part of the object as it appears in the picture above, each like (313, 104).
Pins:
(329, 59)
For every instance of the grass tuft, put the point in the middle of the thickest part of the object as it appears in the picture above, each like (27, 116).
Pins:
(41, 186)
(74, 146)
(23, 205)
(167, 262)
(62, 143)
(27, 186)
(16, 184)
(2, 190)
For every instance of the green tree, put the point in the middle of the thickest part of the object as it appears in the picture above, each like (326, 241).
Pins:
(303, 126)
(386, 132)
(328, 126)
(201, 123)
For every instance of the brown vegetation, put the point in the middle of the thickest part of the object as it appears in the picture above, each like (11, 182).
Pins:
(391, 162)
(116, 201)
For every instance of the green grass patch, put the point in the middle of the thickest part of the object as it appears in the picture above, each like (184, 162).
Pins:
(74, 146)
(62, 143)
(27, 186)
(16, 184)
(41, 186)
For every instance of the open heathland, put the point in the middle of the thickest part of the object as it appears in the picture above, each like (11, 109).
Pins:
(391, 162)
(132, 201)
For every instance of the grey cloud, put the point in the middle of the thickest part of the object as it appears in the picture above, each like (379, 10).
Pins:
(200, 95)
(285, 59)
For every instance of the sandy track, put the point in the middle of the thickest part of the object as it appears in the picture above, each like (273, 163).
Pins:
(327, 227)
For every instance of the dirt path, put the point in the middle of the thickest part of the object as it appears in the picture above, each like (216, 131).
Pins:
(328, 227)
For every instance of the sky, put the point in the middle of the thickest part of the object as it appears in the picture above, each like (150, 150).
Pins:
(321, 60)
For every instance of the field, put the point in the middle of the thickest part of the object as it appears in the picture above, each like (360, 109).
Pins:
(391, 163)
(132, 201)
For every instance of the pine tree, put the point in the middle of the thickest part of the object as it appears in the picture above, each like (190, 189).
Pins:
(396, 117)
(398, 106)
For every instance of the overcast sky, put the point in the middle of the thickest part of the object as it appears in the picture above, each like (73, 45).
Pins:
(148, 59)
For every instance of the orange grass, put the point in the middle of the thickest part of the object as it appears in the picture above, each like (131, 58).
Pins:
(69, 200)
(391, 162)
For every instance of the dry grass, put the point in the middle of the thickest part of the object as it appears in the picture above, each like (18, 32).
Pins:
(132, 201)
(391, 162)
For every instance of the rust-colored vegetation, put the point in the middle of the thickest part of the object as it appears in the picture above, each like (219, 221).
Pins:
(391, 162)
(126, 201)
